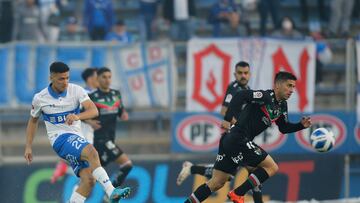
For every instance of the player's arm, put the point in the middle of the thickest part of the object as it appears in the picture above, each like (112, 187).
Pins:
(122, 113)
(226, 102)
(287, 127)
(30, 134)
(90, 110)
(31, 128)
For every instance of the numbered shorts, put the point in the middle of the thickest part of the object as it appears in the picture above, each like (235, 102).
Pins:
(108, 151)
(69, 147)
(230, 156)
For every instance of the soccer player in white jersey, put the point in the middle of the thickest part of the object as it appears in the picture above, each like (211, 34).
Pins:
(59, 105)
(89, 75)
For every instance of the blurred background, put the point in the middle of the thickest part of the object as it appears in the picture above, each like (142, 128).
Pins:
(172, 61)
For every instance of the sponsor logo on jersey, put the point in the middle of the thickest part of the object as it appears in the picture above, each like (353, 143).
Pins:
(257, 95)
(238, 158)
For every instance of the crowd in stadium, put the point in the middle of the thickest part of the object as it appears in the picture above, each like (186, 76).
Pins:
(72, 20)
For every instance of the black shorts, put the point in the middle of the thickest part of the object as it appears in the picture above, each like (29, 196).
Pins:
(108, 151)
(230, 156)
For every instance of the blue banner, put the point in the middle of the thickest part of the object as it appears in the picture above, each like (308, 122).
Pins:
(200, 132)
(298, 178)
(145, 73)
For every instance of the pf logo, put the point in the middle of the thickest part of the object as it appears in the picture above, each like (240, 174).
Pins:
(211, 76)
(271, 139)
(322, 121)
(199, 132)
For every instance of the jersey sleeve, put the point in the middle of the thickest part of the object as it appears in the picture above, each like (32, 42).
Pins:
(285, 126)
(228, 96)
(35, 107)
(81, 94)
(121, 105)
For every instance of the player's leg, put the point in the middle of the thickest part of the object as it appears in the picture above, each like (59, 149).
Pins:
(90, 155)
(84, 187)
(216, 182)
(265, 169)
(256, 192)
(125, 166)
(254, 156)
(189, 168)
(223, 168)
(109, 152)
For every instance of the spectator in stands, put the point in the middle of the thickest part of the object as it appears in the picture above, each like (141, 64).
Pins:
(323, 51)
(266, 6)
(148, 10)
(50, 18)
(224, 12)
(72, 31)
(179, 14)
(6, 21)
(98, 18)
(28, 22)
(288, 30)
(341, 11)
(321, 8)
(119, 33)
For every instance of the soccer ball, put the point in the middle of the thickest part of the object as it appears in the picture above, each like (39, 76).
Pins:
(322, 140)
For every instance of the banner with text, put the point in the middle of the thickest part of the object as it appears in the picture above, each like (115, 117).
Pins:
(145, 73)
(201, 132)
(210, 68)
(299, 178)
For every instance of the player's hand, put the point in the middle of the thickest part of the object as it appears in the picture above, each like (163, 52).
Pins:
(95, 124)
(28, 155)
(306, 121)
(125, 116)
(71, 118)
(225, 125)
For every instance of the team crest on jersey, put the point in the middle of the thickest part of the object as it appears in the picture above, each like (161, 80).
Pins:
(257, 95)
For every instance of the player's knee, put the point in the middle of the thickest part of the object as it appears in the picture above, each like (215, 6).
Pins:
(88, 180)
(219, 184)
(93, 154)
(216, 184)
(272, 170)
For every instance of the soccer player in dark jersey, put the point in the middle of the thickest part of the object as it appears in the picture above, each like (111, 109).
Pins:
(110, 106)
(242, 76)
(259, 109)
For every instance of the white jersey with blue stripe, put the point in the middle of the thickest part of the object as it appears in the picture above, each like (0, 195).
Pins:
(55, 107)
(86, 129)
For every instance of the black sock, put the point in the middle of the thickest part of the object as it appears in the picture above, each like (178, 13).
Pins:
(121, 175)
(202, 170)
(200, 194)
(257, 194)
(255, 178)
